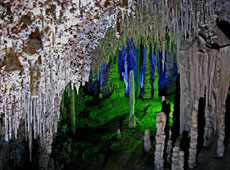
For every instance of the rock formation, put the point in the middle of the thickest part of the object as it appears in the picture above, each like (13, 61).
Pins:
(147, 141)
(177, 159)
(194, 137)
(132, 121)
(160, 141)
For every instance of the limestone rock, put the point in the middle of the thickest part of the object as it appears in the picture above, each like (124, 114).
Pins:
(160, 141)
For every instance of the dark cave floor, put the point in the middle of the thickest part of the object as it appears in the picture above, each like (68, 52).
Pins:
(102, 150)
(207, 158)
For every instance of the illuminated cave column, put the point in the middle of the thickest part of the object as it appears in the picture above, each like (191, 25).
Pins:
(132, 122)
(154, 73)
(147, 93)
(127, 61)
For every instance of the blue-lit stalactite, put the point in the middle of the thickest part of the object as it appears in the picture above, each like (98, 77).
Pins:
(121, 61)
(142, 68)
(168, 73)
(175, 67)
(102, 73)
(161, 72)
(132, 59)
(152, 57)
(127, 61)
(96, 84)
(114, 59)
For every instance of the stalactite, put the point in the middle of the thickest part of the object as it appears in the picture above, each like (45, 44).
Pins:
(138, 70)
(30, 143)
(61, 55)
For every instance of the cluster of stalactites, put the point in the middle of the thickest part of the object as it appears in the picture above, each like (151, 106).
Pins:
(154, 20)
(50, 45)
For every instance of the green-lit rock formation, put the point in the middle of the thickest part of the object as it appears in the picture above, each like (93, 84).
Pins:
(132, 121)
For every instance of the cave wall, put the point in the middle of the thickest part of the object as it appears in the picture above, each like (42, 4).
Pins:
(204, 74)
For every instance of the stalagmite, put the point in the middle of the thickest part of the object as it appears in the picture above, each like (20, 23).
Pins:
(118, 133)
(220, 140)
(131, 100)
(160, 141)
(194, 137)
(147, 141)
(177, 156)
(169, 147)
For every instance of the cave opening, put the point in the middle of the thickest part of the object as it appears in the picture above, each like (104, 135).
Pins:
(201, 124)
(224, 26)
(176, 112)
(184, 146)
(227, 119)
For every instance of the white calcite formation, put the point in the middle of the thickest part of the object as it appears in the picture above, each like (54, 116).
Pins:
(160, 141)
(177, 159)
(43, 46)
(194, 137)
(169, 147)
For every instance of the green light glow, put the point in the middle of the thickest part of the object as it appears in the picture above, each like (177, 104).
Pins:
(133, 93)
(147, 77)
(132, 99)
(97, 116)
(116, 104)
(229, 92)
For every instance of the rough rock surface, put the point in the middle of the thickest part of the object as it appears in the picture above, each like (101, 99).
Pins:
(169, 147)
(208, 77)
(160, 141)
(177, 158)
(194, 137)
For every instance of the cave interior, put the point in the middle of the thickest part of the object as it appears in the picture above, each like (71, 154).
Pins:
(153, 93)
